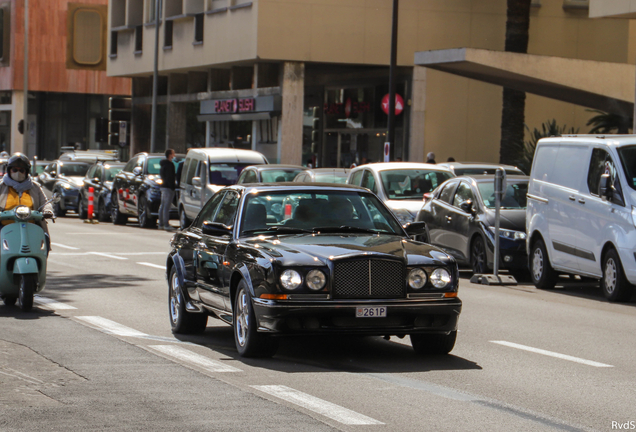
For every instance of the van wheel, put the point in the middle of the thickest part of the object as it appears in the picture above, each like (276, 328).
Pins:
(615, 285)
(542, 274)
(184, 222)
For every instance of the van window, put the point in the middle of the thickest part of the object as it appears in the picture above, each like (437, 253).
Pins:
(597, 168)
(355, 178)
(544, 162)
(192, 169)
(568, 173)
(627, 155)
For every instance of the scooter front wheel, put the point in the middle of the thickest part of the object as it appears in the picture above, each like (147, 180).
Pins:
(28, 284)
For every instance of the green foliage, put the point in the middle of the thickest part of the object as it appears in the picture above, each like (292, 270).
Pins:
(548, 129)
(607, 123)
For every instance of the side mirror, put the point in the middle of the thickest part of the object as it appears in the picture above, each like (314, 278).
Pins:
(415, 228)
(467, 206)
(605, 189)
(136, 171)
(216, 229)
(196, 181)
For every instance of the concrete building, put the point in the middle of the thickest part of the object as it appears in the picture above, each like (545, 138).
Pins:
(67, 83)
(306, 79)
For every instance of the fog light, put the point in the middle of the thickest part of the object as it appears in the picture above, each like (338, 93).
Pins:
(507, 258)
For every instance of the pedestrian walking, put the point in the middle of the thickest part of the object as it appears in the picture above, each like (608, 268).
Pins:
(430, 158)
(168, 185)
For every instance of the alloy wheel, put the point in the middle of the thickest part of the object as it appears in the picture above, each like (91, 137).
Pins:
(242, 318)
(175, 299)
(478, 257)
(611, 276)
(537, 264)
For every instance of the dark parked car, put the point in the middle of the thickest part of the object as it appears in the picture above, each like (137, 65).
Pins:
(65, 178)
(460, 218)
(353, 270)
(136, 190)
(271, 173)
(323, 175)
(100, 177)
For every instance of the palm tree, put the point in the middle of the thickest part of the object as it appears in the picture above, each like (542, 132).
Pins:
(609, 123)
(514, 101)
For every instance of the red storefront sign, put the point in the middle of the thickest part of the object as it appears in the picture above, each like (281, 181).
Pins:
(234, 105)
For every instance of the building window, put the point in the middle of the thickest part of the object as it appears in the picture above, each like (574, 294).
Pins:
(151, 9)
(1, 34)
(113, 43)
(167, 35)
(139, 39)
(198, 28)
(87, 37)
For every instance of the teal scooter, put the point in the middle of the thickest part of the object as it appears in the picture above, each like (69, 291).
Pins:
(24, 249)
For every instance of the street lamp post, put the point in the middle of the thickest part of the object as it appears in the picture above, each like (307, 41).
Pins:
(155, 78)
(25, 113)
(391, 123)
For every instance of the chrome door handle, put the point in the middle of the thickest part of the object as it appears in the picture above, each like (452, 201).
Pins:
(581, 200)
(572, 198)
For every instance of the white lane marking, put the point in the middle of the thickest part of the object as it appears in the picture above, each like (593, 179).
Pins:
(97, 233)
(162, 267)
(187, 356)
(51, 304)
(552, 354)
(113, 253)
(322, 407)
(110, 327)
(108, 255)
(64, 246)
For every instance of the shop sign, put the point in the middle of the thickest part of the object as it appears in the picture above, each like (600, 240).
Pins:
(234, 105)
(399, 104)
(348, 108)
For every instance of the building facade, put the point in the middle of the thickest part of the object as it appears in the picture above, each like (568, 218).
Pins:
(67, 86)
(307, 80)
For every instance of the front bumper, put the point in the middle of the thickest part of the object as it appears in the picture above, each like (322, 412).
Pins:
(405, 316)
(69, 199)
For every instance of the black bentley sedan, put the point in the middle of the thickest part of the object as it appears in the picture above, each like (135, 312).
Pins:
(137, 190)
(351, 269)
(100, 177)
(460, 218)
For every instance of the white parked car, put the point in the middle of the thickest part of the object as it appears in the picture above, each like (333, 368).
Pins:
(581, 213)
(205, 171)
(402, 186)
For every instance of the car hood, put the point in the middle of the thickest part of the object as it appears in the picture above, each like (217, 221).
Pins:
(309, 249)
(509, 219)
(413, 206)
(74, 181)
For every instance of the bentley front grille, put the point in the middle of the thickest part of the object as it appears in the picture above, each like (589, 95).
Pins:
(369, 278)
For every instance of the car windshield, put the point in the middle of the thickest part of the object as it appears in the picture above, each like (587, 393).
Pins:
(515, 197)
(628, 160)
(73, 169)
(225, 174)
(111, 172)
(279, 175)
(485, 171)
(411, 184)
(293, 212)
(339, 177)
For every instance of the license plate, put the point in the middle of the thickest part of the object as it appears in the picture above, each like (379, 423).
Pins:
(371, 312)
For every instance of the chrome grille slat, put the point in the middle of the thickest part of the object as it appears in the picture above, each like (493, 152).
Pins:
(369, 278)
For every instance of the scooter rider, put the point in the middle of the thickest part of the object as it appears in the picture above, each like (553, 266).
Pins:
(17, 188)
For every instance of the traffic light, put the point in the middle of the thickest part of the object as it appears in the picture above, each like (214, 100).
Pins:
(119, 111)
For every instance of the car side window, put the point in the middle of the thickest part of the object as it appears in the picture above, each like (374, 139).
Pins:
(131, 164)
(602, 163)
(463, 194)
(249, 177)
(91, 172)
(209, 210)
(355, 178)
(48, 168)
(192, 169)
(99, 171)
(368, 181)
(227, 210)
(446, 194)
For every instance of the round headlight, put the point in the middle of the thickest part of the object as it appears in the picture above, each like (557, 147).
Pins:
(22, 212)
(440, 278)
(417, 278)
(290, 279)
(316, 280)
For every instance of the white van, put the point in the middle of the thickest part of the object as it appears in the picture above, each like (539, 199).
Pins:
(581, 215)
(205, 171)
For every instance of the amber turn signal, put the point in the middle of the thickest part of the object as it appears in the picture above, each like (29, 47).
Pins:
(273, 296)
(450, 294)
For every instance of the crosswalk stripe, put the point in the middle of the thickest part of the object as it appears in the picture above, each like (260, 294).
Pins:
(552, 354)
(107, 255)
(322, 407)
(187, 356)
(163, 267)
(64, 246)
(51, 304)
(110, 327)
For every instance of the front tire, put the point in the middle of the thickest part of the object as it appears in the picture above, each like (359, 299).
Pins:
(28, 285)
(117, 217)
(81, 211)
(615, 285)
(58, 210)
(478, 259)
(433, 344)
(145, 220)
(249, 343)
(183, 219)
(542, 274)
(102, 212)
(182, 321)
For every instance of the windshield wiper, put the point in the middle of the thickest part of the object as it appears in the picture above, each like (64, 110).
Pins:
(347, 228)
(280, 230)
